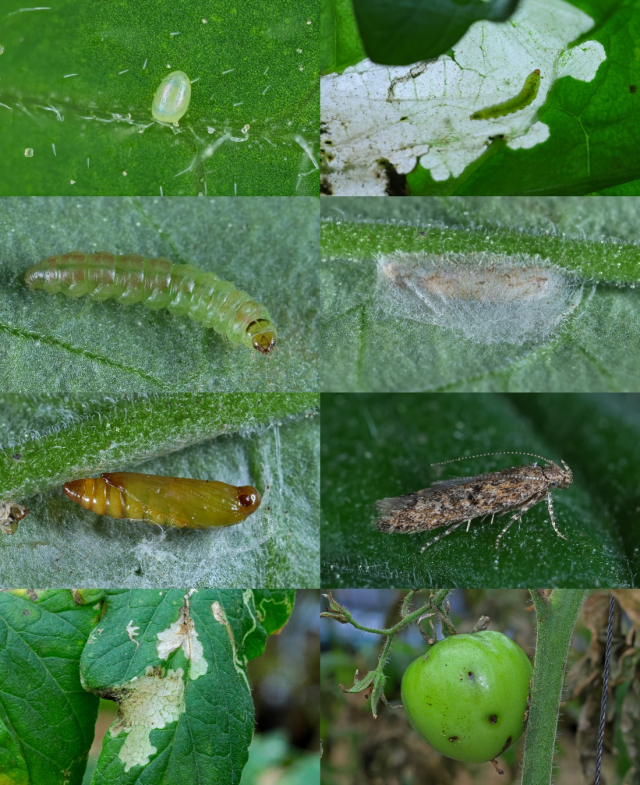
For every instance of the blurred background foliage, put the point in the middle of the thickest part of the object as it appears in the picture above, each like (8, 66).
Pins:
(285, 688)
(387, 751)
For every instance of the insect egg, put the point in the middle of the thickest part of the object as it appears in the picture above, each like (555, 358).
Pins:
(172, 97)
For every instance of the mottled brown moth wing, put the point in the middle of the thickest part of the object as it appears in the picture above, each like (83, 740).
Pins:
(460, 500)
(439, 485)
(385, 506)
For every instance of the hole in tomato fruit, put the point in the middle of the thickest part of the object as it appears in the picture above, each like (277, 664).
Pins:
(453, 738)
(493, 719)
(471, 676)
(507, 744)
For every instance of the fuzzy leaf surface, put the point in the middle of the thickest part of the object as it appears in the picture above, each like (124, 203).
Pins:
(268, 441)
(266, 247)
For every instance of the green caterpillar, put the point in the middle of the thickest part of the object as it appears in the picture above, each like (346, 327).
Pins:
(159, 283)
(525, 97)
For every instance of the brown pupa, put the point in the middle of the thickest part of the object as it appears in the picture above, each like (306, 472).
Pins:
(168, 501)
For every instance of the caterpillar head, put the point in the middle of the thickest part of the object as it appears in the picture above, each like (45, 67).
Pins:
(262, 335)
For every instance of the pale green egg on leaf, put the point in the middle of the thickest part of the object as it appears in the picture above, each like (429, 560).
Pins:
(172, 97)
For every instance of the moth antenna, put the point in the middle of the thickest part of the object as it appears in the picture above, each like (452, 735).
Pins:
(484, 454)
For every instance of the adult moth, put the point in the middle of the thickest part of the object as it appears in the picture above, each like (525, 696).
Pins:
(525, 97)
(454, 502)
(172, 98)
(159, 283)
(168, 501)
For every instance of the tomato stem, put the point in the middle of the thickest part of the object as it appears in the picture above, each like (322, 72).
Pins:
(375, 679)
(557, 614)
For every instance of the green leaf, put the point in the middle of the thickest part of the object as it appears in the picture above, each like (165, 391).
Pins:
(369, 347)
(269, 441)
(78, 80)
(263, 246)
(176, 663)
(273, 609)
(340, 43)
(613, 219)
(400, 33)
(409, 130)
(378, 446)
(46, 718)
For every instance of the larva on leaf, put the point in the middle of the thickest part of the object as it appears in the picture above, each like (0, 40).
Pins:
(159, 283)
(525, 97)
(168, 501)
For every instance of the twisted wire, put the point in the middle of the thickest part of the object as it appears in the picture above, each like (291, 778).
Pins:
(605, 686)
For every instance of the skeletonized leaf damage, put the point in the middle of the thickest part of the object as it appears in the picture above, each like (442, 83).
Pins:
(149, 702)
(380, 119)
(157, 698)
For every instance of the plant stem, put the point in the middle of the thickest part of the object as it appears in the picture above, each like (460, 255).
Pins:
(375, 680)
(556, 616)
(404, 622)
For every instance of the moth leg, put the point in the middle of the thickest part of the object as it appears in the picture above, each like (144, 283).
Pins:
(516, 517)
(440, 536)
(468, 524)
(552, 516)
(527, 505)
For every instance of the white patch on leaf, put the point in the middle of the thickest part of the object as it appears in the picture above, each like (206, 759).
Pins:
(132, 632)
(147, 703)
(374, 113)
(183, 634)
(221, 617)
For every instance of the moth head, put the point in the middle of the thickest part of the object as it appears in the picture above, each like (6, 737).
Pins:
(567, 476)
(560, 476)
(263, 335)
(10, 515)
(248, 498)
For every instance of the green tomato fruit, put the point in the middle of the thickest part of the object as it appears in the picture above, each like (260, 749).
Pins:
(468, 698)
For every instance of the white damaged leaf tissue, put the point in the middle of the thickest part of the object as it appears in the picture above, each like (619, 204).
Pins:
(485, 297)
(378, 119)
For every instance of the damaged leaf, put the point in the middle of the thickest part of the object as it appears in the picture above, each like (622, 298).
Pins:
(175, 662)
